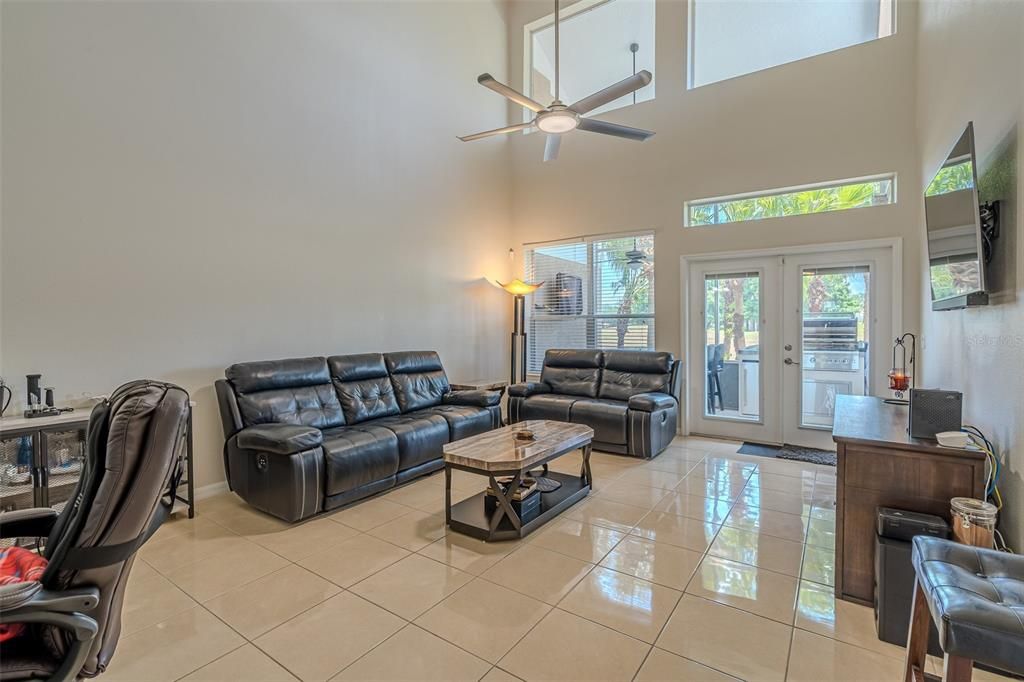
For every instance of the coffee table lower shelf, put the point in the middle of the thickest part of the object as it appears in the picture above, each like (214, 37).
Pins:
(471, 518)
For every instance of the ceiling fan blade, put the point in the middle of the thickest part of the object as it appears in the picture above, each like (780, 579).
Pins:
(519, 98)
(496, 131)
(551, 147)
(594, 126)
(612, 92)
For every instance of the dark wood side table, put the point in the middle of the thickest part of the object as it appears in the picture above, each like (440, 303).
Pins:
(482, 385)
(880, 465)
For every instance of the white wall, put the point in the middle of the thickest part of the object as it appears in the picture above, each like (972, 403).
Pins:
(188, 185)
(844, 114)
(970, 63)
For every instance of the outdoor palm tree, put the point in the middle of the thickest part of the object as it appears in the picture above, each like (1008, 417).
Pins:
(630, 287)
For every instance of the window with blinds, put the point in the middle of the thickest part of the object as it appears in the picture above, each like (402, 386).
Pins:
(596, 294)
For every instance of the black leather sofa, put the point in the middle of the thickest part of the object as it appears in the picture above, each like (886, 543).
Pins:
(310, 434)
(627, 397)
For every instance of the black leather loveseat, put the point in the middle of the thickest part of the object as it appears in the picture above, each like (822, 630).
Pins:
(309, 434)
(627, 397)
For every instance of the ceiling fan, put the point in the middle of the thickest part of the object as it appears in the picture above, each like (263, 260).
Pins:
(557, 119)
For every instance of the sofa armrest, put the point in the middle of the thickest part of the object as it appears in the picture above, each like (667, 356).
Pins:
(27, 523)
(280, 439)
(476, 398)
(649, 402)
(528, 389)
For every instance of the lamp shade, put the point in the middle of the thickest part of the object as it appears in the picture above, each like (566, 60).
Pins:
(518, 287)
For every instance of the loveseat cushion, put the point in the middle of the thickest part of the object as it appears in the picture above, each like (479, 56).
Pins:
(572, 372)
(355, 456)
(363, 386)
(418, 379)
(606, 417)
(420, 437)
(463, 420)
(627, 373)
(547, 406)
(293, 391)
(280, 439)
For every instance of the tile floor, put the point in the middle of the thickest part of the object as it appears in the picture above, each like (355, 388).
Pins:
(701, 564)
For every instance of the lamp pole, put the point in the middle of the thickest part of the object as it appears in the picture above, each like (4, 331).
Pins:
(519, 289)
(518, 338)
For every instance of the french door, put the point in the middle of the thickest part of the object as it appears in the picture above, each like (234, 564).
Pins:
(774, 340)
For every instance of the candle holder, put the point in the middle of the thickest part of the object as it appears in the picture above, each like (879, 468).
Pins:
(901, 376)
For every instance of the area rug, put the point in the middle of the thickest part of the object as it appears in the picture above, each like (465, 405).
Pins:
(795, 452)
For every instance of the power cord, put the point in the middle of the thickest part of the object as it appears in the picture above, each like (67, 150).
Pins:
(993, 471)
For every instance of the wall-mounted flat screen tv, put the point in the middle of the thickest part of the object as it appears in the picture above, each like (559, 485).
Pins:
(956, 261)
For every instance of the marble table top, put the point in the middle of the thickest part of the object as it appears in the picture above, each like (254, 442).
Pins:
(499, 450)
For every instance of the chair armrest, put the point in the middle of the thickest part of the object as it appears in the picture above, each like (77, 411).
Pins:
(649, 402)
(476, 398)
(27, 523)
(528, 389)
(280, 439)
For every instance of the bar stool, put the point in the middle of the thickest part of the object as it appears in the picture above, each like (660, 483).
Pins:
(976, 598)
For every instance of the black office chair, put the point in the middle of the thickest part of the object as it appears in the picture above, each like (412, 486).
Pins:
(132, 468)
(715, 355)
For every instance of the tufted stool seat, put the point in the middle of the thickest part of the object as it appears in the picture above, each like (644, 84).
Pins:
(976, 598)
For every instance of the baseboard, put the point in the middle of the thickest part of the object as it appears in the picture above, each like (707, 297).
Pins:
(210, 490)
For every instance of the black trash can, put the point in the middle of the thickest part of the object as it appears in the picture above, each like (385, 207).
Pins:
(894, 572)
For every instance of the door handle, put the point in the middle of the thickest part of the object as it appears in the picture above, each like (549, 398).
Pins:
(789, 361)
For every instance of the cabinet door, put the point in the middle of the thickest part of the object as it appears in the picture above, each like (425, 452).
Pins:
(18, 488)
(65, 454)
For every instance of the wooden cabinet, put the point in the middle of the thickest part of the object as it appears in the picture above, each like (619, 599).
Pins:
(880, 465)
(41, 462)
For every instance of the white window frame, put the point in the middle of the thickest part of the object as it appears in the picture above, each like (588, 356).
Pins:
(829, 184)
(564, 14)
(691, 26)
(589, 297)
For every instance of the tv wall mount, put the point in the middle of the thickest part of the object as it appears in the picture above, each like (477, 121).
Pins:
(989, 221)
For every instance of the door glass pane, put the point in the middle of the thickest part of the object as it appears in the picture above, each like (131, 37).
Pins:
(65, 454)
(835, 323)
(16, 481)
(732, 324)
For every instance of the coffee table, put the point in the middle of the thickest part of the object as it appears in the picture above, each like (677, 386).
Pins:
(499, 453)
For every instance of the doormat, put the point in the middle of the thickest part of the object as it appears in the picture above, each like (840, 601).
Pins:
(794, 452)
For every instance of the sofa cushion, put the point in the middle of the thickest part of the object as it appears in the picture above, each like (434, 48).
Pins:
(572, 372)
(606, 417)
(548, 406)
(627, 373)
(418, 378)
(363, 386)
(463, 421)
(293, 391)
(355, 456)
(420, 437)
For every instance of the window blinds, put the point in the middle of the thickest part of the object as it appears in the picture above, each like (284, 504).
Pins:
(596, 294)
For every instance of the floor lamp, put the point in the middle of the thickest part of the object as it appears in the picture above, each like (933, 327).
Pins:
(519, 289)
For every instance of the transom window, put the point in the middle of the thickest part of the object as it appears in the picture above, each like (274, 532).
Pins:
(737, 37)
(821, 198)
(595, 39)
(597, 294)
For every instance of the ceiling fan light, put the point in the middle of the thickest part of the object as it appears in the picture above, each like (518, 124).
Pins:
(557, 122)
(635, 265)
